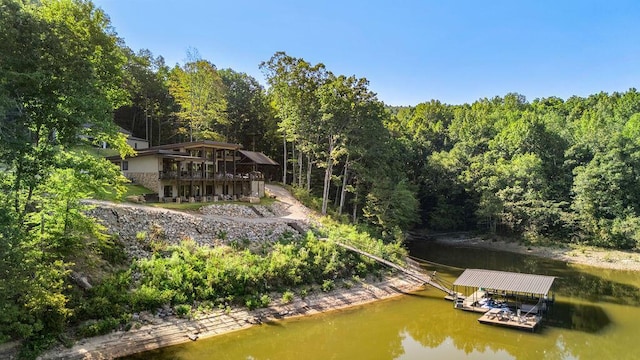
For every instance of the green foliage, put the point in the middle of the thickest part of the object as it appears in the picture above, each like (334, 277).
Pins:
(183, 310)
(190, 273)
(327, 285)
(392, 250)
(287, 297)
(99, 327)
(198, 89)
(60, 66)
(333, 126)
(552, 169)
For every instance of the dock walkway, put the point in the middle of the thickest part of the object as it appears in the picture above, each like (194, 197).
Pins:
(422, 277)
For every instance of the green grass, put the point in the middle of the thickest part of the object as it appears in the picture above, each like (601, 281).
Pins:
(137, 190)
(132, 189)
(187, 206)
(97, 152)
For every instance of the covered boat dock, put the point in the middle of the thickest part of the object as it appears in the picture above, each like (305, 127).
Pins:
(508, 299)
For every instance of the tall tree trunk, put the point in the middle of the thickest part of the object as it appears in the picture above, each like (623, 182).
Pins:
(355, 209)
(309, 164)
(293, 164)
(344, 185)
(284, 160)
(300, 163)
(327, 176)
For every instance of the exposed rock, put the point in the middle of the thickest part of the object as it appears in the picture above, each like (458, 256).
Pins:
(80, 280)
(140, 227)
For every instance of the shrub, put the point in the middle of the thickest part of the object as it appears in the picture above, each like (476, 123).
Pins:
(100, 327)
(287, 297)
(265, 300)
(149, 298)
(183, 310)
(327, 285)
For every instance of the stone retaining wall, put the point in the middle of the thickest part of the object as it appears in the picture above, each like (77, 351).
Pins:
(148, 180)
(136, 225)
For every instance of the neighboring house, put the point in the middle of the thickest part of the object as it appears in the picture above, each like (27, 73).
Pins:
(195, 171)
(135, 142)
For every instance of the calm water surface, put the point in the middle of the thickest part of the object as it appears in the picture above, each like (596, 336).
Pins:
(596, 316)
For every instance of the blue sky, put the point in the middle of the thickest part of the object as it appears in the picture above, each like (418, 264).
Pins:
(410, 51)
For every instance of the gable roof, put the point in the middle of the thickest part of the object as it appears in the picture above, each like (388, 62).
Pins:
(258, 157)
(508, 281)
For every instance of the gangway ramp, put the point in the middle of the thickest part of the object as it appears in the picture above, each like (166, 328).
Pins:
(414, 273)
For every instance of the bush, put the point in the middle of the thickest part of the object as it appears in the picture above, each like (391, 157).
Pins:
(183, 310)
(327, 285)
(99, 327)
(150, 298)
(287, 297)
(188, 273)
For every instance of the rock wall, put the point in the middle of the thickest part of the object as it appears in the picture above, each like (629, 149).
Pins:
(148, 180)
(136, 225)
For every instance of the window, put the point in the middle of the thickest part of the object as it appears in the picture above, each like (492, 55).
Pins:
(125, 165)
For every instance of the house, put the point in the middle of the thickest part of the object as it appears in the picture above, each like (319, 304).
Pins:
(197, 171)
(135, 142)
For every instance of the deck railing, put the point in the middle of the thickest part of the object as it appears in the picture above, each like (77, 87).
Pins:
(199, 175)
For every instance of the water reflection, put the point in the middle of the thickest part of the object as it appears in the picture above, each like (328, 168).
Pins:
(580, 317)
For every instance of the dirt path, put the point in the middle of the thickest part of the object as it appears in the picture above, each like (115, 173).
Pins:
(297, 211)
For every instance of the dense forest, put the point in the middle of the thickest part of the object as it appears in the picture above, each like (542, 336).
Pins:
(548, 170)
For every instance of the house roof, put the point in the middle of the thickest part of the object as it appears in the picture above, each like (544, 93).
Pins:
(161, 152)
(258, 157)
(137, 138)
(508, 281)
(200, 144)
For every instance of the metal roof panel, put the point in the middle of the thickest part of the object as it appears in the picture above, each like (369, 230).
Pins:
(508, 281)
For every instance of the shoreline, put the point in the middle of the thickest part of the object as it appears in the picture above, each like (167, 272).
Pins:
(173, 331)
(573, 254)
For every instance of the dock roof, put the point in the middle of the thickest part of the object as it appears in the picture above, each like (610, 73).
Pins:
(508, 281)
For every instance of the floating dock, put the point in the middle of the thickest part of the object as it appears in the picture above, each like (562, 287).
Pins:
(508, 319)
(517, 291)
(524, 297)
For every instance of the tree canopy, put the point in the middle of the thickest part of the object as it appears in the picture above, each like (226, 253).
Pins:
(60, 79)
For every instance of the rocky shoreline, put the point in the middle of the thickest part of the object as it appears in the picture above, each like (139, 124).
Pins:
(161, 332)
(574, 254)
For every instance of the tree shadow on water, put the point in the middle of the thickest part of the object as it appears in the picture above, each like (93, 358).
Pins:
(578, 317)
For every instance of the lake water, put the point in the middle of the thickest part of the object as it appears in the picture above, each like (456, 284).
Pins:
(596, 316)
